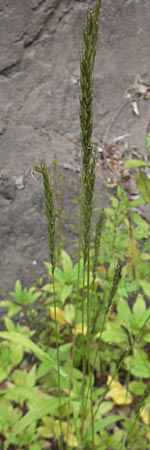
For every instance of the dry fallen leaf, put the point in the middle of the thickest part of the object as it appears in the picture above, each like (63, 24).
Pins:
(78, 329)
(118, 392)
(145, 416)
(60, 318)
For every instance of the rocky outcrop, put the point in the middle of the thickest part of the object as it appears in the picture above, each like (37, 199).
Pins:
(21, 22)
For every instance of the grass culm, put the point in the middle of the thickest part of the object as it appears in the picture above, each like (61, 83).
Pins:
(75, 369)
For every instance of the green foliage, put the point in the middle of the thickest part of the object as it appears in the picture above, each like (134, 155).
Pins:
(119, 340)
(142, 179)
(74, 351)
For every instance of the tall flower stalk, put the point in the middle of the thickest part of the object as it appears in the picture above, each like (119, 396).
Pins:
(90, 34)
(50, 214)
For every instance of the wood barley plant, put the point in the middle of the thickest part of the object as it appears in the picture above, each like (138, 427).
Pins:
(74, 372)
(90, 35)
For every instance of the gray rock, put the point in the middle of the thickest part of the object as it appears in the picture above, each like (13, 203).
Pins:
(20, 182)
(21, 22)
(40, 45)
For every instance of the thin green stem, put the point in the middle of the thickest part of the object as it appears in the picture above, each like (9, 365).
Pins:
(88, 346)
(60, 439)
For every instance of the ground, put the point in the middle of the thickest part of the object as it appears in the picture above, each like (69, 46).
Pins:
(41, 42)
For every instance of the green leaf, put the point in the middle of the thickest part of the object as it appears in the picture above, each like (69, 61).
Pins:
(143, 183)
(24, 296)
(145, 285)
(77, 270)
(69, 313)
(43, 407)
(35, 447)
(19, 377)
(59, 275)
(141, 314)
(146, 337)
(20, 393)
(138, 364)
(16, 353)
(102, 409)
(142, 223)
(65, 292)
(135, 163)
(124, 312)
(9, 324)
(114, 334)
(101, 424)
(139, 307)
(66, 261)
(29, 345)
(11, 307)
(31, 377)
(137, 387)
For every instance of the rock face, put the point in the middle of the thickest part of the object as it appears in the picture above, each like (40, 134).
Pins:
(21, 23)
(40, 44)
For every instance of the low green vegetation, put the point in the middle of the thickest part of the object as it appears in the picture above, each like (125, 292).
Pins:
(74, 352)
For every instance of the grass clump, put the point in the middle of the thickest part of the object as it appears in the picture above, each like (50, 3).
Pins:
(75, 368)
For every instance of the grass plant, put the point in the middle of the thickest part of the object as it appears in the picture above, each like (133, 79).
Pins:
(77, 377)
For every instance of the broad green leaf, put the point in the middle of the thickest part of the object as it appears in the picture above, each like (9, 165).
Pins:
(11, 307)
(31, 377)
(47, 429)
(146, 337)
(124, 312)
(142, 223)
(135, 163)
(35, 447)
(114, 334)
(139, 307)
(145, 285)
(46, 406)
(19, 377)
(10, 326)
(69, 436)
(43, 369)
(66, 261)
(104, 408)
(143, 183)
(48, 288)
(69, 313)
(65, 292)
(16, 353)
(137, 387)
(59, 275)
(77, 270)
(18, 287)
(138, 364)
(29, 345)
(24, 296)
(20, 393)
(141, 314)
(101, 424)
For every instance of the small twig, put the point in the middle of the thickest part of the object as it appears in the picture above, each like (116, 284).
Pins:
(112, 122)
(32, 171)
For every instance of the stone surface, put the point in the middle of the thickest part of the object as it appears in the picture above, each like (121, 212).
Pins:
(40, 44)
